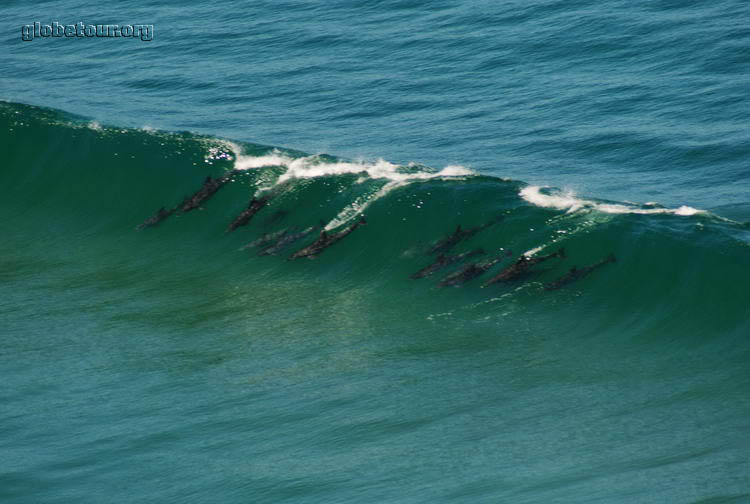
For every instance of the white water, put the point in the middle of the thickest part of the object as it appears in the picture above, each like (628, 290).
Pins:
(568, 201)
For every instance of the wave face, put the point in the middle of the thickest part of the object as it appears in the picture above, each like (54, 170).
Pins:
(645, 358)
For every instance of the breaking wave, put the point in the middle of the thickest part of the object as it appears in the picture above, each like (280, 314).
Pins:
(87, 186)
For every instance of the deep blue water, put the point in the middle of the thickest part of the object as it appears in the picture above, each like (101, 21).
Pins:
(168, 365)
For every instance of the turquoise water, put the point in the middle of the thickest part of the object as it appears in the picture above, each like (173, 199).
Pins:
(172, 364)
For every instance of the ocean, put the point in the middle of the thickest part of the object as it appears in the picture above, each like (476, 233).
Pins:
(313, 252)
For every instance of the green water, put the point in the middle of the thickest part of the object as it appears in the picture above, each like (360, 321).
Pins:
(168, 365)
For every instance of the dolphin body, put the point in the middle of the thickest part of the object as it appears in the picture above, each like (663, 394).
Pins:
(287, 239)
(450, 241)
(209, 188)
(522, 267)
(155, 219)
(255, 206)
(325, 240)
(471, 271)
(266, 239)
(443, 261)
(578, 273)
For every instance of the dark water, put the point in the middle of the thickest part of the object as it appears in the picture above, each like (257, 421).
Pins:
(172, 365)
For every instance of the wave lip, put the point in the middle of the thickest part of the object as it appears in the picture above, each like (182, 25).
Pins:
(315, 166)
(568, 201)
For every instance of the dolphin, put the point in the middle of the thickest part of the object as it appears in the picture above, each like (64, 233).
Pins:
(443, 261)
(325, 240)
(578, 273)
(522, 267)
(155, 219)
(209, 188)
(450, 241)
(255, 206)
(266, 239)
(471, 271)
(287, 239)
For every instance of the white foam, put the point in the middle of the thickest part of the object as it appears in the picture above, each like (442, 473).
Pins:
(357, 207)
(560, 201)
(686, 210)
(314, 166)
(568, 201)
(275, 158)
(533, 251)
(385, 170)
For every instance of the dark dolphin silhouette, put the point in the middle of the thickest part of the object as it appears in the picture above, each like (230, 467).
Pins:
(522, 267)
(209, 188)
(450, 241)
(325, 240)
(578, 273)
(266, 239)
(443, 261)
(155, 219)
(471, 271)
(287, 239)
(255, 206)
